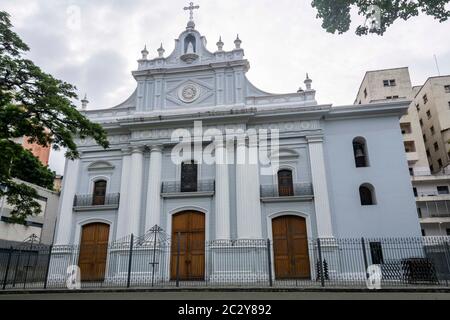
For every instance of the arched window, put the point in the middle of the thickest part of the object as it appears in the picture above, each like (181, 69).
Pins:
(285, 185)
(360, 152)
(189, 176)
(99, 193)
(367, 194)
(190, 44)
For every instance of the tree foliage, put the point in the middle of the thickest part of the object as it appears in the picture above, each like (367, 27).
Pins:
(335, 14)
(28, 168)
(35, 105)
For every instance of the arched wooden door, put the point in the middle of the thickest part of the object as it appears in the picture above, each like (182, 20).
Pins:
(188, 246)
(290, 247)
(93, 251)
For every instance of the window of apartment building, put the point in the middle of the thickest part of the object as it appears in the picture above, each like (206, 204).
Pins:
(449, 104)
(423, 233)
(447, 88)
(431, 168)
(425, 98)
(410, 146)
(365, 93)
(442, 190)
(448, 232)
(415, 192)
(391, 97)
(428, 153)
(432, 130)
(421, 122)
(429, 114)
(425, 138)
(389, 83)
(419, 212)
(440, 163)
(411, 171)
(417, 107)
(436, 146)
(405, 127)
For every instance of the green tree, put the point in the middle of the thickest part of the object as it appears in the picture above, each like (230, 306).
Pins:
(28, 168)
(335, 14)
(35, 105)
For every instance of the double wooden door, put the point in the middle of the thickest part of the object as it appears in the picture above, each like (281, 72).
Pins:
(290, 247)
(93, 251)
(188, 246)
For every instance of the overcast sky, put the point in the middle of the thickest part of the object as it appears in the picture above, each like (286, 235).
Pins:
(282, 40)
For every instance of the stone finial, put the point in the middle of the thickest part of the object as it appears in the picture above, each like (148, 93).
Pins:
(220, 44)
(161, 51)
(308, 82)
(84, 102)
(237, 42)
(144, 53)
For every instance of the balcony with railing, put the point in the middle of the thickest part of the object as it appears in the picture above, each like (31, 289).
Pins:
(434, 211)
(96, 202)
(280, 193)
(196, 188)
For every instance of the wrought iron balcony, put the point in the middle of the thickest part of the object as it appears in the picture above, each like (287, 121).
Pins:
(178, 187)
(298, 189)
(90, 200)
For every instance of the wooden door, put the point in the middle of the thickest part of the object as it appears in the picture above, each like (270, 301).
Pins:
(99, 193)
(188, 177)
(290, 247)
(188, 233)
(93, 251)
(285, 185)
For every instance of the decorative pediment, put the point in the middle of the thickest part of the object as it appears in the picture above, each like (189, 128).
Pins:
(100, 165)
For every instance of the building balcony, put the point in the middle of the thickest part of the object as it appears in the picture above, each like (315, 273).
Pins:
(434, 211)
(194, 189)
(299, 191)
(412, 156)
(83, 202)
(432, 196)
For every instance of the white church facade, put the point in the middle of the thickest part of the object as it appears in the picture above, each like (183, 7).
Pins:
(331, 171)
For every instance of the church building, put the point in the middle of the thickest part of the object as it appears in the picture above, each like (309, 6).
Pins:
(290, 169)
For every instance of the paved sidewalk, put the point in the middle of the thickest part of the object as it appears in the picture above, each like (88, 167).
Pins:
(237, 295)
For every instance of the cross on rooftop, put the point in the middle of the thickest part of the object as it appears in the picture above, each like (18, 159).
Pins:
(191, 9)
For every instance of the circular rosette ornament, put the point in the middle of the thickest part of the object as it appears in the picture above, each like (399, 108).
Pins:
(189, 93)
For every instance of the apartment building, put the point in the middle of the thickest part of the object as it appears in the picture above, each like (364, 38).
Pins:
(432, 102)
(426, 133)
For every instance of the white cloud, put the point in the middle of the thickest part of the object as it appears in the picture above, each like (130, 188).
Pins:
(283, 40)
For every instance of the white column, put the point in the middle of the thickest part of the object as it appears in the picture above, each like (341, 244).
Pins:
(153, 209)
(123, 214)
(248, 205)
(320, 187)
(135, 190)
(222, 196)
(69, 188)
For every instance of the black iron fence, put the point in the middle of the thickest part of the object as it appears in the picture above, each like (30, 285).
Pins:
(87, 200)
(155, 260)
(298, 189)
(197, 186)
